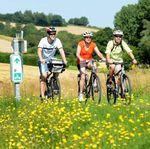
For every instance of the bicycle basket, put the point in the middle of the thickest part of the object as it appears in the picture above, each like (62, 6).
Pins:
(56, 66)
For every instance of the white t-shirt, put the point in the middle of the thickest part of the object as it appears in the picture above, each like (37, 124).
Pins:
(49, 49)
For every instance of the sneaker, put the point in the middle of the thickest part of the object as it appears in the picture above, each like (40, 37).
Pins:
(42, 98)
(80, 97)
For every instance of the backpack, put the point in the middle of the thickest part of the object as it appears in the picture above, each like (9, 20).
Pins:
(119, 44)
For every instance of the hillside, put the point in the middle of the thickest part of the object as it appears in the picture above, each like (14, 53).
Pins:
(5, 42)
(77, 30)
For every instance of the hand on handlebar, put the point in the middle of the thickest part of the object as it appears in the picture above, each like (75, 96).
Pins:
(102, 60)
(65, 62)
(134, 61)
(43, 61)
(109, 61)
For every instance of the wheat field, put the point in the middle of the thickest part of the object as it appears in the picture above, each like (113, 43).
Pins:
(140, 79)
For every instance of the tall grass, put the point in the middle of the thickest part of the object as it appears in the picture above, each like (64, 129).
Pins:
(140, 79)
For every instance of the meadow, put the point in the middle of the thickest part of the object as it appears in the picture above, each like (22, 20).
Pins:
(70, 124)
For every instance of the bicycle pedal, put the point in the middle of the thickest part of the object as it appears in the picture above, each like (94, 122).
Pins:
(87, 96)
(109, 86)
(96, 90)
(56, 91)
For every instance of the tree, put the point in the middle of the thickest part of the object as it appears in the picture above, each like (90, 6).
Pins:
(83, 21)
(40, 19)
(57, 20)
(32, 35)
(134, 21)
(28, 17)
(17, 17)
(102, 37)
(144, 45)
(127, 21)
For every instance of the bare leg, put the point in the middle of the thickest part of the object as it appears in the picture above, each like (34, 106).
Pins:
(82, 81)
(43, 85)
(111, 71)
(42, 88)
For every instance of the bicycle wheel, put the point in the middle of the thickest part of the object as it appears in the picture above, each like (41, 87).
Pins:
(56, 89)
(78, 77)
(96, 90)
(126, 90)
(48, 92)
(111, 91)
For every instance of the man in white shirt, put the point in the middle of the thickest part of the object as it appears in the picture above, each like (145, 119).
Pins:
(46, 50)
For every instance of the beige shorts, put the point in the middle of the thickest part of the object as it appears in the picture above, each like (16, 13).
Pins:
(84, 66)
(117, 68)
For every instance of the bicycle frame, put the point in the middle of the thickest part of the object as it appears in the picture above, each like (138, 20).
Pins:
(52, 82)
(124, 88)
(89, 85)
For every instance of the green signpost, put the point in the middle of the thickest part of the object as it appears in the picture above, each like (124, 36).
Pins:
(16, 67)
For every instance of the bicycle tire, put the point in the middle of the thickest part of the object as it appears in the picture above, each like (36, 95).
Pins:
(96, 91)
(56, 89)
(48, 92)
(78, 77)
(85, 90)
(126, 89)
(111, 91)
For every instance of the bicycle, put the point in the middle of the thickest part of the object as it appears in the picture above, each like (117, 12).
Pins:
(90, 89)
(123, 90)
(53, 88)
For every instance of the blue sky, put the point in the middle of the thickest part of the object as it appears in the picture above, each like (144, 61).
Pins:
(100, 13)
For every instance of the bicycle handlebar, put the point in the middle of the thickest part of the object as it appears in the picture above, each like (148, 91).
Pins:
(119, 63)
(93, 60)
(55, 61)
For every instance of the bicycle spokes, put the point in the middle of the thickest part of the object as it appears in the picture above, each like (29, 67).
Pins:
(112, 92)
(96, 89)
(55, 85)
(125, 87)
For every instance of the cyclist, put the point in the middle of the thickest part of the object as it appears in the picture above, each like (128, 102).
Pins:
(47, 48)
(114, 51)
(85, 49)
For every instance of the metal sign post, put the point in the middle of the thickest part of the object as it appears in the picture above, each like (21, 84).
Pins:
(16, 67)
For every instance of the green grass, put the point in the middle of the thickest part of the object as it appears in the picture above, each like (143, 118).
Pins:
(70, 124)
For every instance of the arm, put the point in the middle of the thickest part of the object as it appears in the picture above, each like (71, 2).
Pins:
(100, 55)
(129, 51)
(108, 59)
(62, 53)
(132, 57)
(39, 51)
(78, 53)
(108, 51)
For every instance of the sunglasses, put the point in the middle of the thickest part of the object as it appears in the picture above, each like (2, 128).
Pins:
(88, 37)
(118, 36)
(51, 33)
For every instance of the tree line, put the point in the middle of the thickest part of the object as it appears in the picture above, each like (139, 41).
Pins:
(134, 20)
(42, 19)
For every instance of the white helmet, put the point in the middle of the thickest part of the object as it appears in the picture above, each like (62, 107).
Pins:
(118, 32)
(89, 34)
